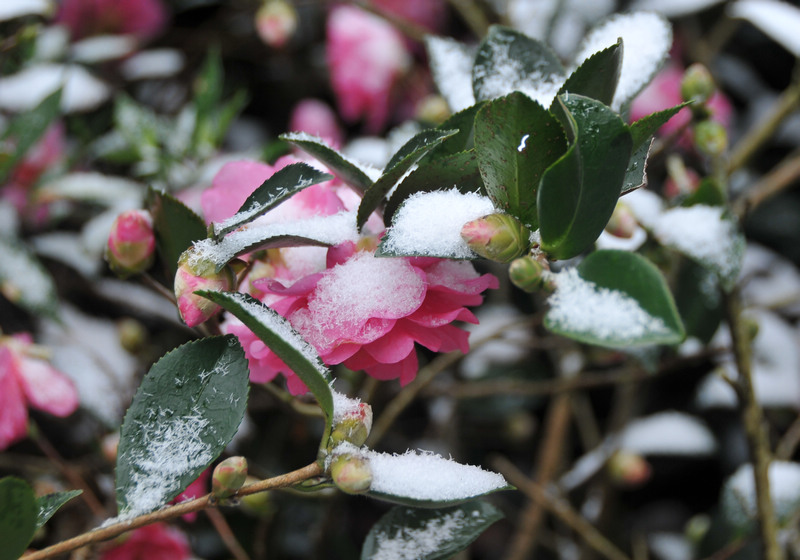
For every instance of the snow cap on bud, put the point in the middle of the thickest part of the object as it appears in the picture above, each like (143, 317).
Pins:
(276, 22)
(228, 477)
(196, 274)
(622, 222)
(697, 84)
(351, 473)
(527, 273)
(354, 426)
(131, 243)
(711, 138)
(497, 237)
(628, 469)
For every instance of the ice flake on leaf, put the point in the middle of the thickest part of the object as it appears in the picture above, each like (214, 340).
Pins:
(705, 235)
(368, 170)
(429, 224)
(646, 38)
(582, 308)
(668, 433)
(411, 544)
(26, 89)
(451, 65)
(779, 20)
(739, 497)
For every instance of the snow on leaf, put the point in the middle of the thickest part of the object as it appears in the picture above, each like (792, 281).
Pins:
(668, 433)
(10, 9)
(24, 90)
(24, 280)
(779, 20)
(738, 502)
(451, 65)
(673, 8)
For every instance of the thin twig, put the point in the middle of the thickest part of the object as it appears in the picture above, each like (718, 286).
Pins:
(472, 15)
(779, 178)
(789, 442)
(170, 512)
(225, 533)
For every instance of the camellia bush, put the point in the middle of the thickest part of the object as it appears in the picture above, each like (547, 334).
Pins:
(533, 314)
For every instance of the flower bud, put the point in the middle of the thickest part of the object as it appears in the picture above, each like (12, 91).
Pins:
(258, 504)
(354, 427)
(711, 138)
(131, 243)
(351, 473)
(527, 274)
(622, 222)
(132, 334)
(276, 22)
(194, 274)
(228, 477)
(497, 237)
(697, 84)
(628, 469)
(433, 109)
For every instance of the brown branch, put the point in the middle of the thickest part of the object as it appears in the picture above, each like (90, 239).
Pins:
(171, 512)
(779, 178)
(789, 442)
(225, 533)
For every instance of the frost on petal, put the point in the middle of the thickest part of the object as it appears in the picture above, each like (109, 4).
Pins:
(46, 388)
(451, 65)
(13, 411)
(779, 20)
(646, 38)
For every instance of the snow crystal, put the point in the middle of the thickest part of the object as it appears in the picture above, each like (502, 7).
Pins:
(154, 63)
(646, 38)
(451, 65)
(344, 406)
(430, 223)
(10, 9)
(779, 20)
(739, 495)
(673, 8)
(703, 234)
(410, 544)
(668, 433)
(427, 476)
(581, 307)
(329, 230)
(26, 89)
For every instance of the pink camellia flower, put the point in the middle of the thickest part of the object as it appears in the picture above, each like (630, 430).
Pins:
(142, 18)
(276, 22)
(430, 14)
(316, 117)
(131, 243)
(158, 541)
(196, 489)
(366, 56)
(27, 379)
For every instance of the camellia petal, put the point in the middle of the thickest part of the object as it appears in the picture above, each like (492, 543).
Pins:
(46, 388)
(13, 412)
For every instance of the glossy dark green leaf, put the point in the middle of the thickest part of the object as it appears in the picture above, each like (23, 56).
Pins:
(281, 338)
(463, 140)
(208, 85)
(176, 227)
(618, 299)
(509, 61)
(709, 192)
(578, 193)
(459, 170)
(643, 129)
(48, 504)
(698, 300)
(400, 162)
(24, 281)
(342, 167)
(516, 141)
(636, 172)
(279, 187)
(428, 534)
(27, 128)
(17, 517)
(598, 76)
(187, 409)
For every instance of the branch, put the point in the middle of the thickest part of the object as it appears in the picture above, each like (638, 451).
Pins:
(779, 178)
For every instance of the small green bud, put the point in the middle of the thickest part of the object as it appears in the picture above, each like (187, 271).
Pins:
(228, 477)
(628, 469)
(353, 427)
(497, 237)
(697, 84)
(711, 138)
(258, 504)
(527, 273)
(351, 473)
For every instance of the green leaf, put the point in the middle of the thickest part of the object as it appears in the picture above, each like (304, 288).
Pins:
(17, 517)
(709, 192)
(208, 86)
(509, 61)
(48, 504)
(399, 163)
(428, 534)
(343, 168)
(636, 172)
(187, 409)
(281, 338)
(460, 169)
(463, 140)
(516, 141)
(643, 129)
(698, 299)
(176, 227)
(598, 76)
(616, 299)
(138, 125)
(279, 187)
(27, 128)
(578, 193)
(24, 281)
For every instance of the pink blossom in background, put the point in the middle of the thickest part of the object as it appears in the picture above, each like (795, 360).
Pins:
(28, 380)
(196, 489)
(665, 92)
(366, 57)
(84, 18)
(315, 117)
(429, 14)
(158, 541)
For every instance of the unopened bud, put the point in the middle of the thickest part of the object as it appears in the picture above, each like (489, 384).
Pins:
(276, 22)
(527, 274)
(132, 334)
(258, 504)
(697, 84)
(351, 473)
(622, 222)
(628, 469)
(228, 477)
(109, 445)
(497, 237)
(354, 427)
(131, 243)
(433, 109)
(711, 138)
(195, 274)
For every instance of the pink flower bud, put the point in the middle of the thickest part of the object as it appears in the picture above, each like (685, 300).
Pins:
(622, 222)
(628, 469)
(131, 243)
(276, 22)
(195, 274)
(351, 473)
(527, 273)
(354, 427)
(228, 477)
(497, 237)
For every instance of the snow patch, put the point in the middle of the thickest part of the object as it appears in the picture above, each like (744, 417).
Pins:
(410, 544)
(668, 433)
(451, 65)
(24, 90)
(739, 495)
(779, 20)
